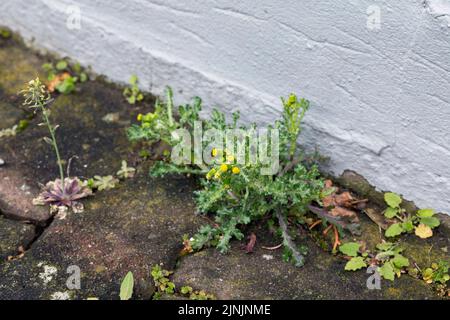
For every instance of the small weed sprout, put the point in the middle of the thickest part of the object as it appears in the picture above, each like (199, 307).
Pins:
(388, 257)
(63, 77)
(125, 171)
(103, 182)
(133, 94)
(161, 280)
(422, 222)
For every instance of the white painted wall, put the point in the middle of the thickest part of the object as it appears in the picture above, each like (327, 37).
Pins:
(380, 98)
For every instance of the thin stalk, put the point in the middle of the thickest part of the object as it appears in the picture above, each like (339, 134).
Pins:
(170, 106)
(55, 146)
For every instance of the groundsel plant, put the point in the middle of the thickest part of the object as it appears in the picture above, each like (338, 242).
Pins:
(248, 174)
(63, 192)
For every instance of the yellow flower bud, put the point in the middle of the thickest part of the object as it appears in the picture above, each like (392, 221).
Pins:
(223, 167)
(214, 152)
(230, 158)
(210, 174)
(139, 117)
(236, 170)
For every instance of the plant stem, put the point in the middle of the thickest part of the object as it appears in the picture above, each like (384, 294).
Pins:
(170, 106)
(287, 240)
(55, 145)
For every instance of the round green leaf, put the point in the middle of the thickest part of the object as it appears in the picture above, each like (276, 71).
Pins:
(390, 212)
(392, 199)
(387, 271)
(425, 213)
(350, 249)
(355, 263)
(400, 261)
(432, 222)
(61, 65)
(394, 230)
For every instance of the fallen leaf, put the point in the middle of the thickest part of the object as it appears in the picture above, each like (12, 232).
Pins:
(353, 227)
(187, 247)
(423, 231)
(126, 288)
(377, 217)
(342, 212)
(344, 199)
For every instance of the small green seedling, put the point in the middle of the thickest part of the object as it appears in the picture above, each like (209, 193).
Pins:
(63, 77)
(389, 259)
(422, 223)
(133, 94)
(161, 280)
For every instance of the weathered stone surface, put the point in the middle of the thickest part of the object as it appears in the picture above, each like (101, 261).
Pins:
(9, 115)
(263, 275)
(16, 195)
(14, 234)
(131, 228)
(17, 66)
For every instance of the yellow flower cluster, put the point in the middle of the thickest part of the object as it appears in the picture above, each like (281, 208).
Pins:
(226, 166)
(217, 173)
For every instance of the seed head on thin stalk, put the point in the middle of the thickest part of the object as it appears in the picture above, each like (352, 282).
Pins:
(61, 193)
(37, 98)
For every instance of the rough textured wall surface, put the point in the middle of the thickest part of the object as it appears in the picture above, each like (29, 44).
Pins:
(379, 84)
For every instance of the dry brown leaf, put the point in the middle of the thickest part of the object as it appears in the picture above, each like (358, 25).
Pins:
(423, 231)
(343, 212)
(328, 184)
(251, 243)
(344, 199)
(377, 217)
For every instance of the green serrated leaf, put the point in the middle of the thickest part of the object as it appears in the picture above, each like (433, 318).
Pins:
(400, 261)
(393, 200)
(394, 230)
(126, 288)
(387, 271)
(350, 249)
(432, 222)
(390, 212)
(355, 263)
